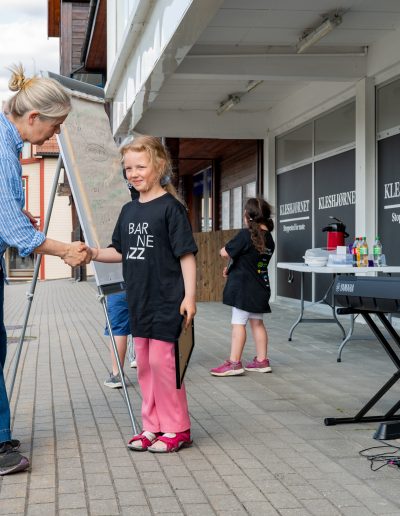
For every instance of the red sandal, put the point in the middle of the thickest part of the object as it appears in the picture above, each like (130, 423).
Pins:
(144, 444)
(181, 440)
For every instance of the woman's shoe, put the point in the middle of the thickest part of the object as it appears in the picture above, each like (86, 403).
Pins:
(142, 441)
(173, 443)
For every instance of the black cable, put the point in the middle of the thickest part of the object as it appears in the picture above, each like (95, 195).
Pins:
(388, 458)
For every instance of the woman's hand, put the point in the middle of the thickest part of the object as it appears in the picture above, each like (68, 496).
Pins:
(188, 310)
(225, 272)
(33, 220)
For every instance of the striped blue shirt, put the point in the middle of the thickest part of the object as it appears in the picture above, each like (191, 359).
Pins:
(15, 228)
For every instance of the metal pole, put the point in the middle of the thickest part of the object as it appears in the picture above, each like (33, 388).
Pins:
(31, 292)
(120, 370)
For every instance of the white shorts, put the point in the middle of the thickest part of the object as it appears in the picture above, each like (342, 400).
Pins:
(241, 316)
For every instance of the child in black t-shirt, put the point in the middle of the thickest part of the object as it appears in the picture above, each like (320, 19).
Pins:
(154, 240)
(247, 288)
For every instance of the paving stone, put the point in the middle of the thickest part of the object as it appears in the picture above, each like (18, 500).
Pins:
(164, 505)
(96, 492)
(321, 507)
(190, 496)
(41, 509)
(138, 511)
(225, 502)
(198, 509)
(215, 488)
(42, 481)
(71, 486)
(72, 501)
(98, 479)
(159, 490)
(42, 496)
(12, 491)
(182, 483)
(104, 508)
(132, 498)
(12, 505)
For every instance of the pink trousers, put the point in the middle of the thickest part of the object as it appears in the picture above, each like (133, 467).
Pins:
(164, 407)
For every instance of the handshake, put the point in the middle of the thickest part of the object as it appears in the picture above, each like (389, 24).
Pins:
(77, 253)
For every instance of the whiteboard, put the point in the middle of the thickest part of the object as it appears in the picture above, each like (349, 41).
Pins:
(93, 166)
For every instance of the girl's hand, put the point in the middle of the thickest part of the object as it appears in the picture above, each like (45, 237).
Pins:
(225, 272)
(188, 310)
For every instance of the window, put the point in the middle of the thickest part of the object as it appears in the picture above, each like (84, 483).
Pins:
(25, 189)
(250, 190)
(388, 107)
(237, 208)
(226, 209)
(294, 147)
(202, 197)
(335, 129)
(26, 151)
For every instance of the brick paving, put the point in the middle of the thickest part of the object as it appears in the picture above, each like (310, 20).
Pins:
(260, 445)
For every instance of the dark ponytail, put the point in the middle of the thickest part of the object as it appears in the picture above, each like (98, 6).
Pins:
(257, 212)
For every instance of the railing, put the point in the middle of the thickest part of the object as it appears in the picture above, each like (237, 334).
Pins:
(210, 282)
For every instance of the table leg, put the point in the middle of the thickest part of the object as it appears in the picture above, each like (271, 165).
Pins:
(347, 338)
(301, 307)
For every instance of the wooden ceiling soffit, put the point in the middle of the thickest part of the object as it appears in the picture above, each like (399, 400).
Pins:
(53, 18)
(96, 51)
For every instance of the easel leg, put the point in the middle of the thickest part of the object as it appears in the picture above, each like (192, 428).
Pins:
(32, 288)
(120, 370)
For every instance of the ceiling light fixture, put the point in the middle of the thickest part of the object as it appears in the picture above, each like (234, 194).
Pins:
(320, 32)
(228, 104)
(252, 84)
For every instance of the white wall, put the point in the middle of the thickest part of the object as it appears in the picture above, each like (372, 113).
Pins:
(60, 227)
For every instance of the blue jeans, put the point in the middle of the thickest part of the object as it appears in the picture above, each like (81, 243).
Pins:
(5, 432)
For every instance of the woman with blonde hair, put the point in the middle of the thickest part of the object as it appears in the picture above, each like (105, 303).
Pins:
(33, 114)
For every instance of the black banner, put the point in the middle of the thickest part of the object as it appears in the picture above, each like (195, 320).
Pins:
(334, 195)
(294, 227)
(389, 197)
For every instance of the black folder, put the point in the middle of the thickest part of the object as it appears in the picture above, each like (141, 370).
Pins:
(183, 351)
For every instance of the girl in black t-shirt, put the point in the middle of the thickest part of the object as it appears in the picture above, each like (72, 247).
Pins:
(154, 240)
(247, 288)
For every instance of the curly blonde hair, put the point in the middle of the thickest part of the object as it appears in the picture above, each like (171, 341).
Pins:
(40, 94)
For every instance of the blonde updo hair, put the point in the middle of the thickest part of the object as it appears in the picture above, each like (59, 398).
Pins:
(40, 94)
(159, 158)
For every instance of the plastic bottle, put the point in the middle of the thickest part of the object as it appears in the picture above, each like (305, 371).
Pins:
(377, 252)
(354, 251)
(358, 253)
(364, 253)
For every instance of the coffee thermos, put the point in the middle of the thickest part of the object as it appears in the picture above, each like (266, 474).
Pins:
(336, 234)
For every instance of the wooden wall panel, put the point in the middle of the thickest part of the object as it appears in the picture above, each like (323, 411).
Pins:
(240, 168)
(80, 16)
(210, 283)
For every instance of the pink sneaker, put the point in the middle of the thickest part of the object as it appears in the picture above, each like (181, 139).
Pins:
(228, 368)
(261, 367)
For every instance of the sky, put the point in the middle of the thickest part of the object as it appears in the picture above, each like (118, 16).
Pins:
(23, 39)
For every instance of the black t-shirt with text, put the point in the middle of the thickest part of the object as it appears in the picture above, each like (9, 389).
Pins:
(152, 237)
(247, 286)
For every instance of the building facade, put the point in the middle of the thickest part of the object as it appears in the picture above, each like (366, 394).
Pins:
(296, 101)
(317, 84)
